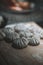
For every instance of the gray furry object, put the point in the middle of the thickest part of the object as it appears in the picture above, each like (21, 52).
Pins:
(21, 36)
(33, 40)
(18, 41)
(20, 27)
(31, 33)
(32, 28)
(36, 30)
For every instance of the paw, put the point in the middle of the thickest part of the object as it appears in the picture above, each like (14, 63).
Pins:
(34, 41)
(20, 43)
(8, 33)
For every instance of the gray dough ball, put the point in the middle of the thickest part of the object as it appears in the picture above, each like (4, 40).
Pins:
(20, 43)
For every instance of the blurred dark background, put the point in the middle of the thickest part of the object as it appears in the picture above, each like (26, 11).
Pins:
(36, 15)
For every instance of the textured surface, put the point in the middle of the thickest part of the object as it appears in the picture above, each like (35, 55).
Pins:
(28, 56)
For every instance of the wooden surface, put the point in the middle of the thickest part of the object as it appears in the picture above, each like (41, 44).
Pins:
(32, 55)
